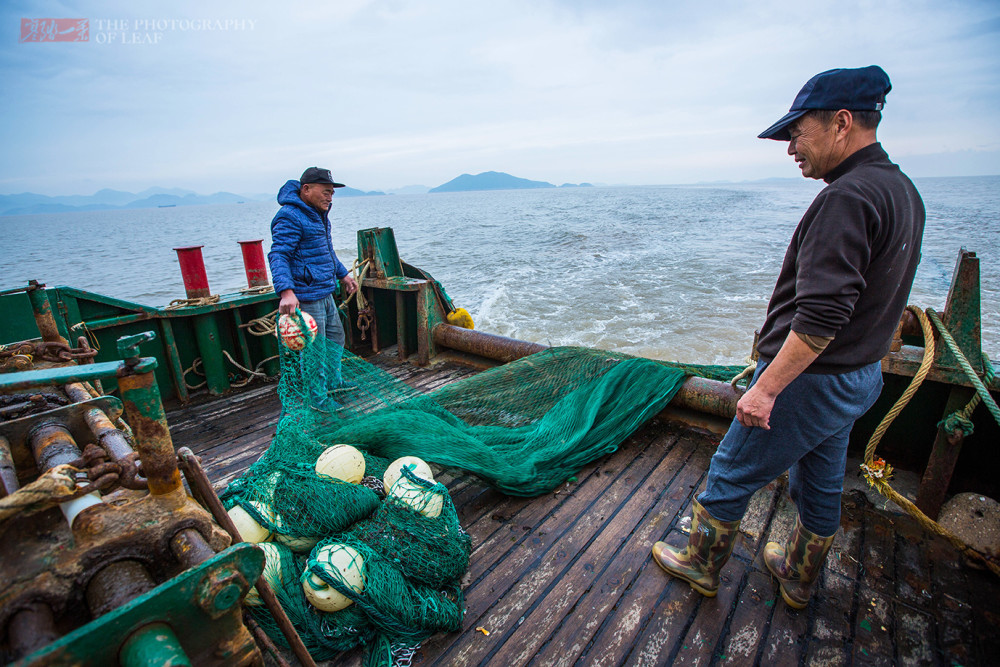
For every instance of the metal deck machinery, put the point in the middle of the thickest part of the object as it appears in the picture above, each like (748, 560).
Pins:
(106, 560)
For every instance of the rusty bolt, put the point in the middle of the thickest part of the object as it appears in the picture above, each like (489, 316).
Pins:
(220, 591)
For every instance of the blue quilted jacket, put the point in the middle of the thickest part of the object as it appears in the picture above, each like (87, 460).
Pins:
(302, 256)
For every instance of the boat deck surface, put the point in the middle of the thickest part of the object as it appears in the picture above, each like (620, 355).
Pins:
(566, 578)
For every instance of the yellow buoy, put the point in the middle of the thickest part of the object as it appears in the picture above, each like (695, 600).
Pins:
(343, 462)
(273, 555)
(460, 318)
(416, 466)
(346, 565)
(249, 529)
(417, 497)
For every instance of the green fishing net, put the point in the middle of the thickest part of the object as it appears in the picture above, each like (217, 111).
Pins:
(525, 428)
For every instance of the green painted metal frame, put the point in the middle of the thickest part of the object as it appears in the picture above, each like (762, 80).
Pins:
(407, 302)
(185, 333)
(201, 605)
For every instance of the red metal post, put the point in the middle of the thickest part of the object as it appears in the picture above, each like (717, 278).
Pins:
(253, 262)
(193, 271)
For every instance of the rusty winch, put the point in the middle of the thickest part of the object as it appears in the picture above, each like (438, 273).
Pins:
(106, 559)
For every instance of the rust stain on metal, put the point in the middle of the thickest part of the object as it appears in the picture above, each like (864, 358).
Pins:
(153, 441)
(486, 345)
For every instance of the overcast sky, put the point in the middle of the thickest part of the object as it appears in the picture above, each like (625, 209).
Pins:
(242, 96)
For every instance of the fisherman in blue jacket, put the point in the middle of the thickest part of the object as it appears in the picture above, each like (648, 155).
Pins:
(304, 266)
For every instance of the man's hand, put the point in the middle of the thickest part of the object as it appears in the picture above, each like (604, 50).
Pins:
(350, 284)
(754, 408)
(289, 302)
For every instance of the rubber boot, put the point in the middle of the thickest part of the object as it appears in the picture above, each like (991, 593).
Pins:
(798, 563)
(709, 546)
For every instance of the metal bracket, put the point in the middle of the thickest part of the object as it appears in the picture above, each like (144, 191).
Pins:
(201, 605)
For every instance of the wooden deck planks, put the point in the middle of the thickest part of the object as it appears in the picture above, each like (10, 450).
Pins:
(546, 553)
(599, 623)
(579, 597)
(566, 578)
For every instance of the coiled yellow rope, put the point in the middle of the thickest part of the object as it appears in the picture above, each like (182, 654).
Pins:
(878, 472)
(192, 303)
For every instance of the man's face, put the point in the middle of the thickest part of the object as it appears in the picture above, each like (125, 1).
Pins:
(814, 146)
(317, 195)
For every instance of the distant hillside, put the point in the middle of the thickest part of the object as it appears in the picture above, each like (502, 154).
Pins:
(104, 200)
(409, 190)
(489, 180)
(353, 192)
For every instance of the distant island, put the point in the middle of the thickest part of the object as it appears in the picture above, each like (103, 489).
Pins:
(28, 203)
(104, 200)
(495, 180)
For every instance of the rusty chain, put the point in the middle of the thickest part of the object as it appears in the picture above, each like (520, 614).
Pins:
(15, 406)
(59, 351)
(365, 318)
(131, 477)
(93, 466)
(43, 351)
(100, 474)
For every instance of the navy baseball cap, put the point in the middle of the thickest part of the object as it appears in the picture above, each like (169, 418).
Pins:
(317, 175)
(861, 89)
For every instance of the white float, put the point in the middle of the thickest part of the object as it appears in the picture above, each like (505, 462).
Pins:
(417, 497)
(342, 562)
(415, 465)
(249, 529)
(342, 462)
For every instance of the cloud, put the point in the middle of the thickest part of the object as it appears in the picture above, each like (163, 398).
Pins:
(399, 92)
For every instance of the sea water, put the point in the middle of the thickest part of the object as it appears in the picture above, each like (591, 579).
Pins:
(670, 272)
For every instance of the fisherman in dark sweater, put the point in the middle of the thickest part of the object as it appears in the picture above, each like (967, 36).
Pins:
(842, 288)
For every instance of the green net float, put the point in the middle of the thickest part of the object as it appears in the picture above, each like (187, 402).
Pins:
(272, 571)
(415, 465)
(297, 543)
(249, 528)
(342, 462)
(344, 564)
(417, 498)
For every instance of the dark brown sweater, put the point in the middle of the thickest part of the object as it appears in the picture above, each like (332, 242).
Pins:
(850, 264)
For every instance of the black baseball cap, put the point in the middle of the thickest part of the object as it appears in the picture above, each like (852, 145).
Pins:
(861, 89)
(317, 175)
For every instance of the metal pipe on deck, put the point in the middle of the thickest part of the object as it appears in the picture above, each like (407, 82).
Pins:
(213, 363)
(254, 263)
(193, 271)
(697, 393)
(487, 345)
(708, 396)
(42, 309)
(109, 437)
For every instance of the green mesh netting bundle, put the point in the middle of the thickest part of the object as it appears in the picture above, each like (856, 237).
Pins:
(525, 428)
